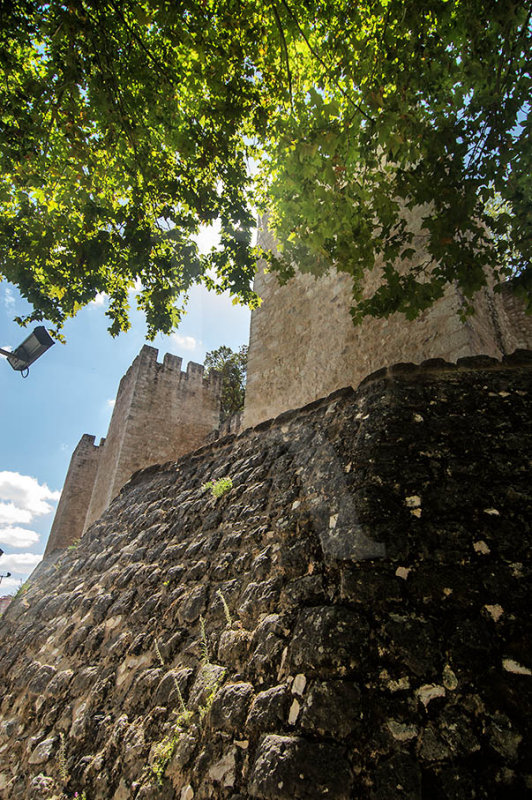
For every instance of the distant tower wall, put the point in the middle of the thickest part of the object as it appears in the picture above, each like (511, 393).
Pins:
(518, 320)
(112, 446)
(69, 520)
(303, 344)
(160, 414)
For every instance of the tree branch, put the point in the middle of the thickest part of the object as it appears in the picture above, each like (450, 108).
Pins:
(324, 65)
(285, 48)
(141, 44)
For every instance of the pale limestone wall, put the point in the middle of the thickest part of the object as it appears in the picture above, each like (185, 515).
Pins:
(69, 519)
(112, 445)
(521, 323)
(161, 413)
(303, 344)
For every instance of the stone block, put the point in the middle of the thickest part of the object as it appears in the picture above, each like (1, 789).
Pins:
(290, 768)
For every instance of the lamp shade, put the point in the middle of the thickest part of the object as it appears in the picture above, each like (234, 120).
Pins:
(31, 348)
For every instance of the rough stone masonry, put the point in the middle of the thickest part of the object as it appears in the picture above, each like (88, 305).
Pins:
(350, 620)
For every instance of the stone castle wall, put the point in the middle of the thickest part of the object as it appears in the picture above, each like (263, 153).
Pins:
(520, 322)
(75, 498)
(160, 413)
(303, 344)
(351, 620)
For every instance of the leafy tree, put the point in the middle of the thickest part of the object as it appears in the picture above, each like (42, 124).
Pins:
(127, 124)
(232, 367)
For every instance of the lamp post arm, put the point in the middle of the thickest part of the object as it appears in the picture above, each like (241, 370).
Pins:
(12, 354)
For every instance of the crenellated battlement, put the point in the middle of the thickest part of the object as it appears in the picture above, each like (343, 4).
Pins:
(146, 363)
(172, 362)
(86, 441)
(161, 412)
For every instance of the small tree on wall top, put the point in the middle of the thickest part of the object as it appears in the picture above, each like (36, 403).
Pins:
(232, 367)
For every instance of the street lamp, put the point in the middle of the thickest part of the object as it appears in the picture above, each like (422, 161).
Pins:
(8, 574)
(30, 350)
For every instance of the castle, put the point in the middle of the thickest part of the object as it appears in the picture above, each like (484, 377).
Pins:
(302, 346)
(160, 413)
(351, 619)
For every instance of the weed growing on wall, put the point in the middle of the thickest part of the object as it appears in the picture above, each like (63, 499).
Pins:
(213, 683)
(204, 645)
(220, 487)
(227, 613)
(74, 545)
(61, 760)
(213, 687)
(165, 749)
(174, 679)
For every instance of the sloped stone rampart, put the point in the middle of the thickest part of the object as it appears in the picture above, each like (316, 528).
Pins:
(350, 620)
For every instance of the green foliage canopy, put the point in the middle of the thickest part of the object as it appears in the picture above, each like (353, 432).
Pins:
(232, 367)
(128, 124)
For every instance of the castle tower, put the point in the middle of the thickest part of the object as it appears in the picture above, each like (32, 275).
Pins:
(160, 414)
(69, 518)
(303, 344)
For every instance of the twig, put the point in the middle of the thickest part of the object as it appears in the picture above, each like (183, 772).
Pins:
(285, 48)
(324, 65)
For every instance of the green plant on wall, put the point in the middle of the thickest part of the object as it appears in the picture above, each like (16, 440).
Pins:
(62, 762)
(22, 589)
(220, 487)
(227, 613)
(164, 750)
(213, 685)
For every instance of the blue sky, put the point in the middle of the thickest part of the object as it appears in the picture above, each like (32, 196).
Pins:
(69, 392)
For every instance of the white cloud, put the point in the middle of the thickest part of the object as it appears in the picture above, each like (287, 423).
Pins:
(10, 513)
(5, 347)
(99, 300)
(19, 562)
(136, 287)
(23, 497)
(10, 585)
(184, 342)
(18, 537)
(111, 402)
(9, 298)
